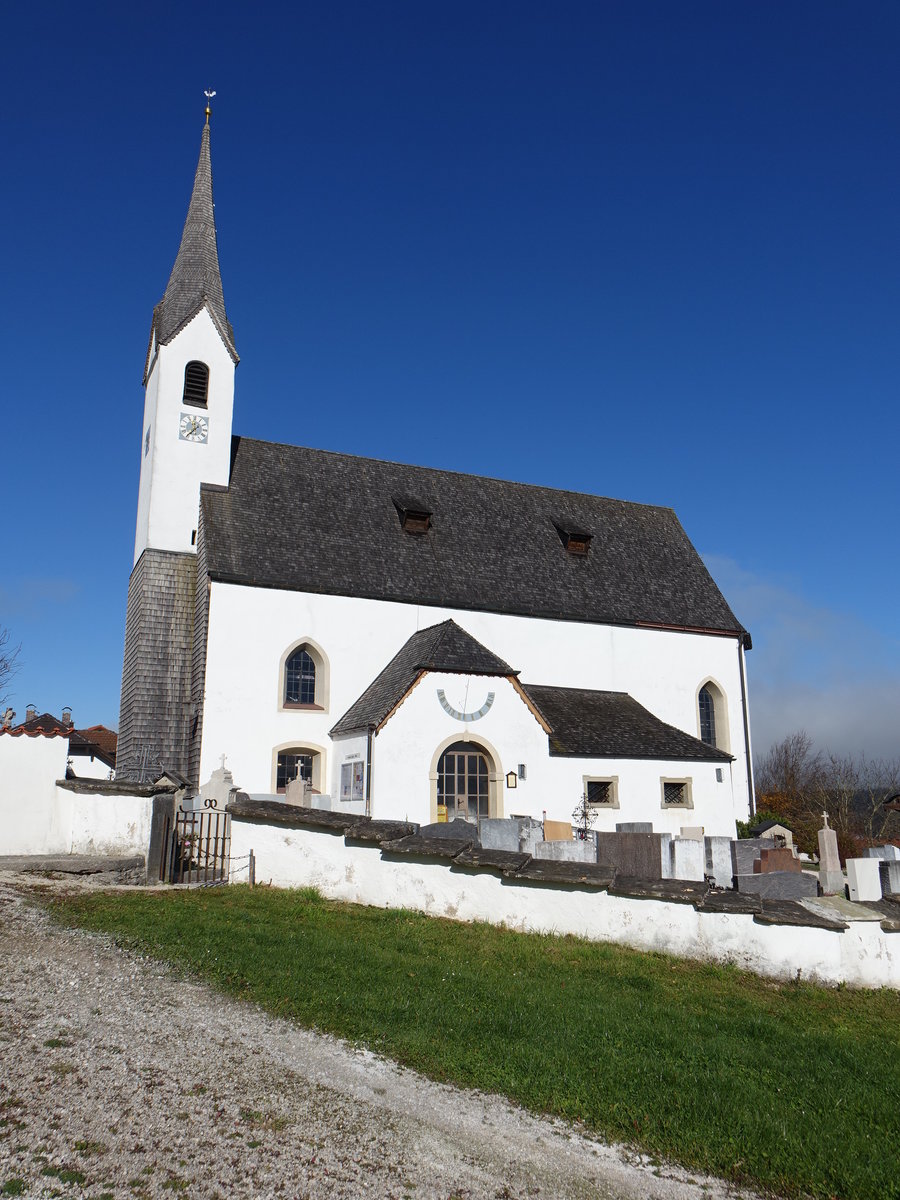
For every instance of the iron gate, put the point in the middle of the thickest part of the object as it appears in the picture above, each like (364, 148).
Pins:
(196, 848)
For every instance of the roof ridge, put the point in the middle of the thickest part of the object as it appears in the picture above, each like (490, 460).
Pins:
(518, 483)
(444, 627)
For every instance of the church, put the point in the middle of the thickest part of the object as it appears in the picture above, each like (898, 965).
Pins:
(409, 643)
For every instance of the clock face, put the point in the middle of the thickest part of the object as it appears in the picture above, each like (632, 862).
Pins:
(461, 714)
(192, 428)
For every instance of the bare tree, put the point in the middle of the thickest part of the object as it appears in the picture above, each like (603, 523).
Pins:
(791, 768)
(799, 783)
(8, 664)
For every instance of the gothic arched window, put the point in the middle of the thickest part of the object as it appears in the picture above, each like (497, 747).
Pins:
(300, 678)
(707, 716)
(196, 384)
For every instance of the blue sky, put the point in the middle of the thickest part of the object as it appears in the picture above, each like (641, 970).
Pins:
(644, 249)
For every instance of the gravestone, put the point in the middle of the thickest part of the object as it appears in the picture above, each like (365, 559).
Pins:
(499, 833)
(634, 827)
(863, 879)
(778, 885)
(637, 855)
(718, 860)
(887, 853)
(779, 859)
(889, 870)
(831, 877)
(218, 787)
(521, 834)
(688, 858)
(574, 850)
(745, 852)
(692, 831)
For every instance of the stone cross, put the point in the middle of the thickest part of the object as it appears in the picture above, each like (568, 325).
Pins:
(831, 877)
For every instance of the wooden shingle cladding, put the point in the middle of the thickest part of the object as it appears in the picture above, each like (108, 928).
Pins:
(154, 713)
(311, 520)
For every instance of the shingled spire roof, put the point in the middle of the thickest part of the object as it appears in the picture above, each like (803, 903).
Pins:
(195, 281)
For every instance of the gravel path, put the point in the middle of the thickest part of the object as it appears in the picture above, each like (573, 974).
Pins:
(118, 1079)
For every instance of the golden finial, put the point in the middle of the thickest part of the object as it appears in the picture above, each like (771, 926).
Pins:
(209, 95)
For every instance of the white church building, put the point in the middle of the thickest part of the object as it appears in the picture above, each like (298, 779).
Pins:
(414, 643)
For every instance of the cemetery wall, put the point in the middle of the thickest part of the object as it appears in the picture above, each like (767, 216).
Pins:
(864, 955)
(40, 814)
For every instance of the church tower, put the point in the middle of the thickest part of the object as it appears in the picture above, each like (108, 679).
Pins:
(185, 441)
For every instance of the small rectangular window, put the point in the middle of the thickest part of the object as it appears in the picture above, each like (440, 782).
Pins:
(676, 793)
(602, 793)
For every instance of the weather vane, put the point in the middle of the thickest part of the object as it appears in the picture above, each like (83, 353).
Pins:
(208, 93)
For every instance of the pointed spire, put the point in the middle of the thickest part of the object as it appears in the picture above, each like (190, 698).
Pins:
(195, 280)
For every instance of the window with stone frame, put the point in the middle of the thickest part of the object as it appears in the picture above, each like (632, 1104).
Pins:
(602, 793)
(676, 793)
(295, 764)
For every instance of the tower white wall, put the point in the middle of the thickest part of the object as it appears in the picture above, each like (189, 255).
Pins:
(172, 469)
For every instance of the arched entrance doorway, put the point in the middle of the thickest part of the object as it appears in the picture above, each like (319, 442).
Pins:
(463, 782)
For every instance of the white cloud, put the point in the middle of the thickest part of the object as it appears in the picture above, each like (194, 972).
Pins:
(29, 597)
(814, 668)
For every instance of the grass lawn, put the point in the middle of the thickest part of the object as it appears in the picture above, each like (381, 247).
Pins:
(788, 1086)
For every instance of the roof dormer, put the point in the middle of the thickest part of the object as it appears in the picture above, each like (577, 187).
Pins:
(576, 540)
(415, 517)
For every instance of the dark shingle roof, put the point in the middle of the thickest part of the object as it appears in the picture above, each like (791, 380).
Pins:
(592, 724)
(311, 520)
(444, 648)
(756, 830)
(195, 278)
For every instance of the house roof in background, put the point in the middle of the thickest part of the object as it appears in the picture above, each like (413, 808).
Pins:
(593, 724)
(96, 739)
(316, 521)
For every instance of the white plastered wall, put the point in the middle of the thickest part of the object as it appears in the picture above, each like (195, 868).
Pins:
(32, 821)
(37, 817)
(404, 755)
(172, 470)
(862, 956)
(250, 629)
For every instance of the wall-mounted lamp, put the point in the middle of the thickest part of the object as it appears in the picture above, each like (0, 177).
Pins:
(511, 779)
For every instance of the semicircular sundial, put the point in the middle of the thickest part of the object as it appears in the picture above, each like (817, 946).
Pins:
(463, 714)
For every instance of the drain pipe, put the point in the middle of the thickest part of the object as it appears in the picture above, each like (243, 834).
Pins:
(370, 733)
(746, 715)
